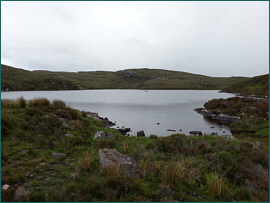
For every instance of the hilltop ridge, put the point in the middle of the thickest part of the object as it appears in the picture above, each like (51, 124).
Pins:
(15, 79)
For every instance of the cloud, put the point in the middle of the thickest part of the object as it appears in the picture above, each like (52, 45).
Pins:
(210, 38)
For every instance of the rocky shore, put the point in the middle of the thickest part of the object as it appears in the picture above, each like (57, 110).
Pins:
(219, 117)
(104, 121)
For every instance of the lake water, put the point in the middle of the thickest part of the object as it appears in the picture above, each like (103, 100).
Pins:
(140, 109)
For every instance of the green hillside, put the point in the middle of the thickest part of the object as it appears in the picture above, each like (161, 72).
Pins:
(14, 79)
(257, 86)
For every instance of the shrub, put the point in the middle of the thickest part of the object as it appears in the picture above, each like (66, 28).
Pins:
(58, 104)
(22, 102)
(84, 114)
(77, 140)
(153, 137)
(241, 194)
(7, 122)
(38, 102)
(68, 113)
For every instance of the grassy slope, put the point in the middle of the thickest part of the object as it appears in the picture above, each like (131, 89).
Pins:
(13, 79)
(197, 168)
(257, 86)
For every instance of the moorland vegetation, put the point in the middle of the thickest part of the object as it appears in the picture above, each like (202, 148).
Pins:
(174, 168)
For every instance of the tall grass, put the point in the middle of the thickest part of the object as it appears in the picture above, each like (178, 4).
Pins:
(112, 172)
(216, 185)
(126, 146)
(38, 102)
(175, 172)
(17, 103)
(85, 163)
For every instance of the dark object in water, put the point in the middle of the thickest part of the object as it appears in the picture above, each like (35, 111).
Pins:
(171, 130)
(195, 132)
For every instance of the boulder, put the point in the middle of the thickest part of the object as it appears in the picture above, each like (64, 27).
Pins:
(5, 187)
(128, 165)
(21, 192)
(140, 133)
(195, 132)
(104, 136)
(59, 155)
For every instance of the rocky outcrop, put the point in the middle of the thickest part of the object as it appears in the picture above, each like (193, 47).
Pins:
(128, 165)
(104, 136)
(104, 121)
(219, 117)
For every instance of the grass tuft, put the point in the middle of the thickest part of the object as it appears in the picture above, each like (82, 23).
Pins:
(38, 102)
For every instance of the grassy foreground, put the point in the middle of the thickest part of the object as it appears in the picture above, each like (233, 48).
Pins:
(173, 168)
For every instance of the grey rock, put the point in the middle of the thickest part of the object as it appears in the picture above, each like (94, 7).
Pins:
(5, 187)
(59, 155)
(21, 192)
(104, 136)
(128, 165)
(69, 135)
(140, 133)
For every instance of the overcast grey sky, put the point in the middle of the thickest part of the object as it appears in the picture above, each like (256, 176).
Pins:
(209, 38)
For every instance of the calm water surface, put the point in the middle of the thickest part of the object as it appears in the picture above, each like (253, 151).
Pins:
(140, 109)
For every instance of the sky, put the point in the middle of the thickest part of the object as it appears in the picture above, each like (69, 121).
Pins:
(220, 39)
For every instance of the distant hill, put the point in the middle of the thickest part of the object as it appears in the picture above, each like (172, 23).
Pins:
(14, 79)
(257, 86)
